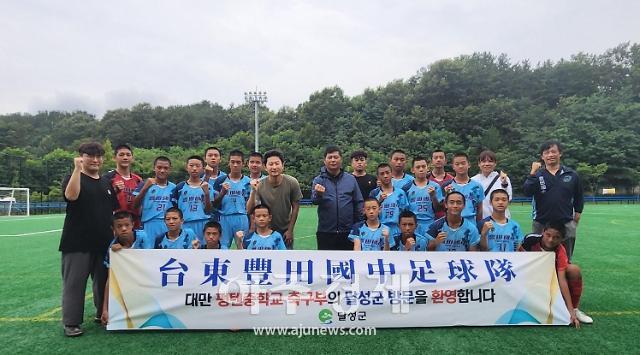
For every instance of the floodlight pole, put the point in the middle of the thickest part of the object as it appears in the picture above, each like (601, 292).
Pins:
(256, 97)
(256, 127)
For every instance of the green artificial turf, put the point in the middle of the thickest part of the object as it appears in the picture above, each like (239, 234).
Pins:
(606, 249)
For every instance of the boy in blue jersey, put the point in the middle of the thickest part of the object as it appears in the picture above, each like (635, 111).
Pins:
(233, 192)
(499, 233)
(452, 232)
(193, 198)
(392, 200)
(124, 237)
(409, 240)
(264, 238)
(176, 236)
(370, 235)
(470, 189)
(212, 159)
(398, 161)
(425, 197)
(212, 232)
(254, 164)
(153, 197)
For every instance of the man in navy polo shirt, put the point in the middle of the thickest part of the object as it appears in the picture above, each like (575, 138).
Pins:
(557, 193)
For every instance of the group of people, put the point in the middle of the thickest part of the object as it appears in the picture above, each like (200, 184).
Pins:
(393, 210)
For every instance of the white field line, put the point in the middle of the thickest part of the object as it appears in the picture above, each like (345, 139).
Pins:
(32, 233)
(30, 218)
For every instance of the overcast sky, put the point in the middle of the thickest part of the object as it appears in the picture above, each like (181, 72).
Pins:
(100, 55)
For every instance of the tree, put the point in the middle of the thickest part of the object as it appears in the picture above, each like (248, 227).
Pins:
(590, 102)
(591, 174)
(323, 110)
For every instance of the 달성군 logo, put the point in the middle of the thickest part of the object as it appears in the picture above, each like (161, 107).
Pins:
(325, 316)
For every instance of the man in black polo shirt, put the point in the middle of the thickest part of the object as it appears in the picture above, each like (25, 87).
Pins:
(366, 182)
(557, 193)
(85, 236)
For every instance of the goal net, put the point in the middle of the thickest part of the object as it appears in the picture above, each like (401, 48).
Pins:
(14, 201)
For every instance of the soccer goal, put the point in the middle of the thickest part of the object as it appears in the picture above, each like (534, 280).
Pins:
(14, 201)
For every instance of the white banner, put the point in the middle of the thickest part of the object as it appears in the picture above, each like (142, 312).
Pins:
(232, 289)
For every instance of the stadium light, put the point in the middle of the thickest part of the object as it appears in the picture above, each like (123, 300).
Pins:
(255, 97)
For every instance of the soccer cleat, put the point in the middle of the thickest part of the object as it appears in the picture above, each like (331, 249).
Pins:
(72, 330)
(583, 317)
(97, 319)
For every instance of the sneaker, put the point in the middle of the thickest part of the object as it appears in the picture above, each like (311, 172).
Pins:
(72, 330)
(583, 317)
(97, 319)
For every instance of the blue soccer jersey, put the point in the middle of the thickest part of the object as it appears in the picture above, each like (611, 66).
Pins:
(420, 203)
(391, 207)
(235, 200)
(232, 212)
(156, 200)
(271, 241)
(212, 180)
(184, 240)
(473, 194)
(458, 239)
(141, 241)
(420, 245)
(399, 183)
(190, 200)
(503, 237)
(371, 239)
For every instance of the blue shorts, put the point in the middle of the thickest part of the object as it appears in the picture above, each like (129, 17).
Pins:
(230, 225)
(155, 229)
(198, 229)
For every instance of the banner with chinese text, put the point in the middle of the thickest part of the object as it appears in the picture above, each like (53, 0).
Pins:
(232, 289)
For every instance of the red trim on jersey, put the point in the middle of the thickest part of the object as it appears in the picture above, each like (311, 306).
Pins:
(562, 261)
(125, 196)
(447, 177)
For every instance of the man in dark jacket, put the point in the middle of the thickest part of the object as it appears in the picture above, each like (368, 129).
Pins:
(339, 201)
(557, 193)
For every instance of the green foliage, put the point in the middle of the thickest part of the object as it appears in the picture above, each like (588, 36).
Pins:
(591, 174)
(589, 102)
